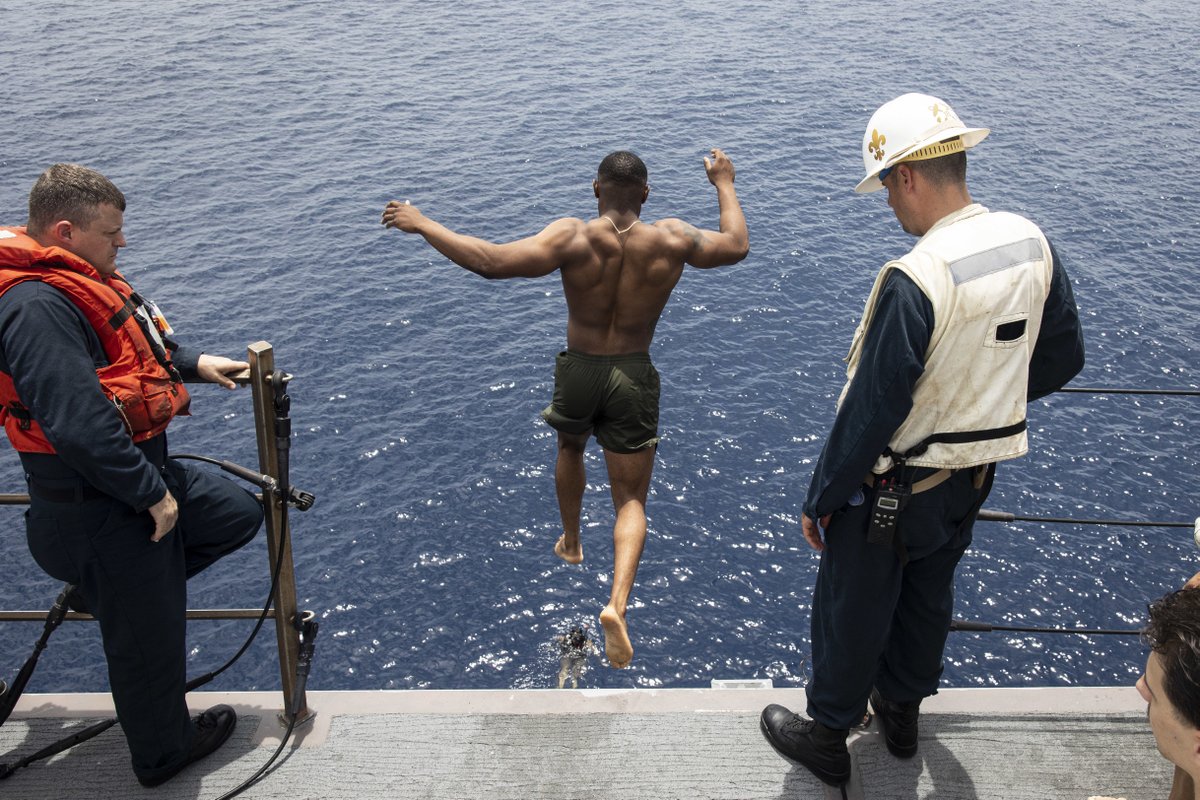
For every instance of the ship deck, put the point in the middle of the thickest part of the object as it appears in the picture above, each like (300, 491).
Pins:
(655, 744)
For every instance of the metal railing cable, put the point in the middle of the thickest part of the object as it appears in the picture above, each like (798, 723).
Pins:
(1159, 392)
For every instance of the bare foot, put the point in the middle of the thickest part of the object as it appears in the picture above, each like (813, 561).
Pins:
(617, 646)
(570, 555)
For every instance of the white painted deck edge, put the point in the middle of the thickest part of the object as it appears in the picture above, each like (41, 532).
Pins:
(330, 704)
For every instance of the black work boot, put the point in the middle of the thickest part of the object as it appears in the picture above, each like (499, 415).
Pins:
(820, 750)
(899, 723)
(213, 727)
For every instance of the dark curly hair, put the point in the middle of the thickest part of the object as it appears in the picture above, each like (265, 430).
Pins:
(623, 168)
(1174, 633)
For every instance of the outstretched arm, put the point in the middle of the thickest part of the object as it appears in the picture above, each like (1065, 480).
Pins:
(531, 257)
(731, 243)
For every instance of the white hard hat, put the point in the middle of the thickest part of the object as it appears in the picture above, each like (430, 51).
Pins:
(913, 127)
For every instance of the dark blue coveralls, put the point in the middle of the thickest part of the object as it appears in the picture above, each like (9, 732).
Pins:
(88, 524)
(875, 621)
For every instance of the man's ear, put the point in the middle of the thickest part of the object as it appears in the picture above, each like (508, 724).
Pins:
(61, 231)
(645, 192)
(596, 188)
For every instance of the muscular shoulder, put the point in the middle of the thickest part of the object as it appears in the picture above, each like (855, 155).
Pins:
(566, 236)
(566, 223)
(565, 228)
(679, 235)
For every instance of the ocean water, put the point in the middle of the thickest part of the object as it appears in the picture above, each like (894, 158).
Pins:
(258, 142)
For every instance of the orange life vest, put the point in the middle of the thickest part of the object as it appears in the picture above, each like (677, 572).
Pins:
(145, 388)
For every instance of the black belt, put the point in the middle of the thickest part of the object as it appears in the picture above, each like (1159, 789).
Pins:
(63, 491)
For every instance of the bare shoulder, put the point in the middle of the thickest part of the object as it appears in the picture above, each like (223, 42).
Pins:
(567, 238)
(680, 233)
(564, 232)
(564, 227)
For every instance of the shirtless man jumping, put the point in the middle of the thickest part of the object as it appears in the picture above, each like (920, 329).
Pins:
(617, 276)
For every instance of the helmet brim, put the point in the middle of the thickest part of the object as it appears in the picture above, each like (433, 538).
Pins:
(970, 137)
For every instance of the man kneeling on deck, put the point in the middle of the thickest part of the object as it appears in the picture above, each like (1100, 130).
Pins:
(1171, 686)
(89, 381)
(617, 276)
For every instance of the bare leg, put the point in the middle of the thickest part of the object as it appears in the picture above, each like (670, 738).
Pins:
(629, 474)
(570, 478)
(563, 666)
(577, 671)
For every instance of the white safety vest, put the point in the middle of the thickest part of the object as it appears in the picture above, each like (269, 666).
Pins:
(987, 276)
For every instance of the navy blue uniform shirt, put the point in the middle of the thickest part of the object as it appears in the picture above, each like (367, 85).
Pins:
(893, 358)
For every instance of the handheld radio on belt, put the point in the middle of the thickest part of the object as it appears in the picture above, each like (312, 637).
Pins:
(890, 499)
(892, 493)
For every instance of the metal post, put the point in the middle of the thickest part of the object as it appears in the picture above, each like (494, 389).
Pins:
(262, 364)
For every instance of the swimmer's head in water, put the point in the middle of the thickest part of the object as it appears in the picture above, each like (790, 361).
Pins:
(622, 168)
(577, 638)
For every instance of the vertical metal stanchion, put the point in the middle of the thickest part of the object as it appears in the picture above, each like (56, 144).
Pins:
(262, 365)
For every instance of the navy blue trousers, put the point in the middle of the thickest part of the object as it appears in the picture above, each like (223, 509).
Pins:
(876, 622)
(137, 590)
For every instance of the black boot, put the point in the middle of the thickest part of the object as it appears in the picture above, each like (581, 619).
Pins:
(899, 723)
(213, 727)
(820, 750)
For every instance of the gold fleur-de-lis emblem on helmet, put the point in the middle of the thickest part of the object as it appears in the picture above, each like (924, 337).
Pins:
(940, 112)
(876, 145)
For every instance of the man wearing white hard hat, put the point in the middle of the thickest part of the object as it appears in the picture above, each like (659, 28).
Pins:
(956, 336)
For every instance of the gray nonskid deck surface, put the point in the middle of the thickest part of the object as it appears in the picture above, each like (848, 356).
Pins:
(713, 755)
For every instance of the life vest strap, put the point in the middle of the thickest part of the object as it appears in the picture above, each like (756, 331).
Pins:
(118, 319)
(957, 437)
(24, 419)
(923, 485)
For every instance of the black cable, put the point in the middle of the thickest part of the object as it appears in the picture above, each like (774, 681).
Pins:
(1164, 392)
(95, 730)
(57, 613)
(58, 747)
(297, 497)
(989, 515)
(283, 435)
(306, 624)
(983, 627)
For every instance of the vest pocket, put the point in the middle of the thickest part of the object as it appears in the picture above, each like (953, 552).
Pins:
(1008, 330)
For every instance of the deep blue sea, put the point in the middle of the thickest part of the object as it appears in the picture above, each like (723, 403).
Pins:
(257, 143)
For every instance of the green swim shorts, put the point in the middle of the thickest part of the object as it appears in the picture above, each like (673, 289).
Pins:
(616, 397)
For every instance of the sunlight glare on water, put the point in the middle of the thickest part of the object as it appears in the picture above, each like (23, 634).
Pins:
(258, 142)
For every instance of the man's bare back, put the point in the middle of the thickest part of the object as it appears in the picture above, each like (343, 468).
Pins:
(617, 274)
(619, 279)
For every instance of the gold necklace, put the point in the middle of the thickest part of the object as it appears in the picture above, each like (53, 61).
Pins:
(622, 231)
